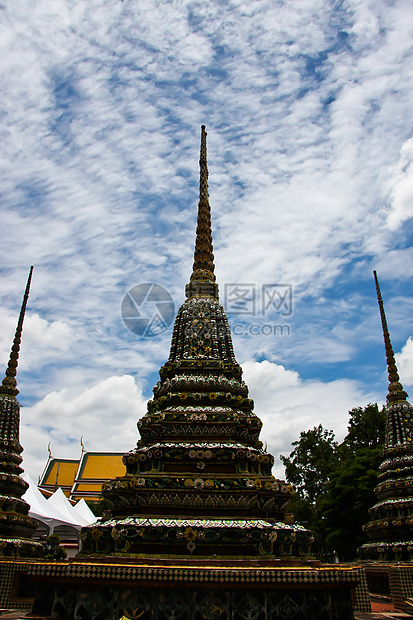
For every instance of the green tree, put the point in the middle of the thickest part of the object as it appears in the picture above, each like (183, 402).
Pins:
(52, 549)
(308, 469)
(309, 464)
(366, 428)
(335, 482)
(350, 491)
(345, 505)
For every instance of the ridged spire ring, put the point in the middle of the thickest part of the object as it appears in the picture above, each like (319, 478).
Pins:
(202, 282)
(396, 391)
(9, 382)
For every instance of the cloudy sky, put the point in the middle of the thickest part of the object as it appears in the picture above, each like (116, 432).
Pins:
(308, 107)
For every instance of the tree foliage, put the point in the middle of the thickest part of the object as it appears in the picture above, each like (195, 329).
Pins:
(366, 428)
(52, 549)
(335, 482)
(309, 464)
(349, 496)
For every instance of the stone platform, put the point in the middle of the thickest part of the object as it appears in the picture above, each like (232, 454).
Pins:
(169, 589)
(392, 579)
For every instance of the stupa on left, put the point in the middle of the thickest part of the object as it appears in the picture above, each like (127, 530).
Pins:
(16, 527)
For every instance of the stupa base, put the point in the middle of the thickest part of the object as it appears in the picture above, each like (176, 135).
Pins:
(227, 538)
(165, 589)
(396, 551)
(20, 548)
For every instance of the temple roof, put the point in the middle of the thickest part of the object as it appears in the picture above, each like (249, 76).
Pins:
(59, 473)
(95, 468)
(81, 478)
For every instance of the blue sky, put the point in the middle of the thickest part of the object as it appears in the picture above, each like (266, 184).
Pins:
(308, 108)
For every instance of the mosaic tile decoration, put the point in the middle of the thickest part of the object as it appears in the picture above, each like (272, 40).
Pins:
(188, 575)
(361, 594)
(75, 589)
(8, 571)
(85, 570)
(155, 604)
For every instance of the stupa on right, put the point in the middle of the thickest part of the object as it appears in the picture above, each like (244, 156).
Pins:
(390, 528)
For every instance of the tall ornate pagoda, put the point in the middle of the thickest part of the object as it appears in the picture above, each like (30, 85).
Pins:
(16, 527)
(199, 483)
(197, 527)
(390, 528)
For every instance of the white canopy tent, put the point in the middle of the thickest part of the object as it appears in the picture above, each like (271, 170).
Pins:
(56, 511)
(82, 510)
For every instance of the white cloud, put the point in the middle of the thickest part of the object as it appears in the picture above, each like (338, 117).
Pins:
(268, 376)
(105, 415)
(308, 108)
(288, 405)
(390, 263)
(404, 361)
(401, 185)
(42, 340)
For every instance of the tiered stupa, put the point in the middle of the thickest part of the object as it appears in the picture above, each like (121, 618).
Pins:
(197, 526)
(16, 527)
(199, 483)
(390, 529)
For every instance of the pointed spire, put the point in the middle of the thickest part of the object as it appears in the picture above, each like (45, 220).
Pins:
(202, 282)
(396, 392)
(203, 255)
(9, 383)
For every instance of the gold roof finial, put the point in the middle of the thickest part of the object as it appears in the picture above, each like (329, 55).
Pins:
(9, 383)
(202, 281)
(396, 391)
